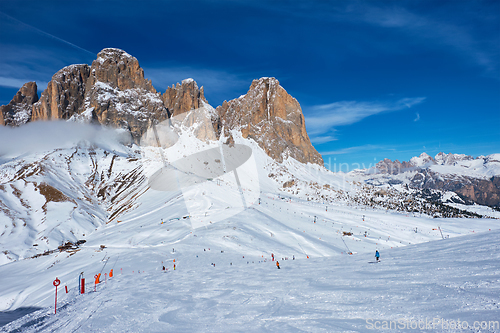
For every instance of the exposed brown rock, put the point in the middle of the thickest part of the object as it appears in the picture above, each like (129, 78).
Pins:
(64, 95)
(271, 117)
(183, 97)
(187, 105)
(481, 191)
(470, 189)
(117, 94)
(18, 111)
(114, 92)
(393, 168)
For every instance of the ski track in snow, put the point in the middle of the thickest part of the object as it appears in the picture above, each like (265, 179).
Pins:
(456, 278)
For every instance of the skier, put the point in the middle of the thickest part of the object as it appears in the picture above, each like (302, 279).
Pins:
(278, 264)
(377, 255)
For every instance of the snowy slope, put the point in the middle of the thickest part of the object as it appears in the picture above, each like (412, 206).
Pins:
(441, 283)
(134, 221)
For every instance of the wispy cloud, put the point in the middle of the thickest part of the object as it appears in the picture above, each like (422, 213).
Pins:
(324, 118)
(46, 34)
(11, 82)
(323, 139)
(466, 28)
(356, 149)
(440, 29)
(417, 118)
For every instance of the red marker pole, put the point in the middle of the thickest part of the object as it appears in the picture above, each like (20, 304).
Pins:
(56, 283)
(82, 290)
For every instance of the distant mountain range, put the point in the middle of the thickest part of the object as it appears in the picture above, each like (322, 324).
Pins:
(474, 180)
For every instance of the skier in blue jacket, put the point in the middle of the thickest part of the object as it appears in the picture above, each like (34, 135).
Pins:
(377, 255)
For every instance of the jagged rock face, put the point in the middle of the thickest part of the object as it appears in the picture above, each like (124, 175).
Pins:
(18, 111)
(393, 168)
(484, 190)
(189, 109)
(183, 97)
(481, 191)
(421, 162)
(117, 94)
(64, 95)
(451, 159)
(271, 117)
(114, 92)
(120, 70)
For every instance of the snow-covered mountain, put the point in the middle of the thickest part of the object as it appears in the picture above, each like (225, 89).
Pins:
(114, 92)
(93, 209)
(221, 193)
(473, 180)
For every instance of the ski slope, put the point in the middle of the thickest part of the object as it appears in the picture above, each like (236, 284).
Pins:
(329, 291)
(222, 234)
(441, 282)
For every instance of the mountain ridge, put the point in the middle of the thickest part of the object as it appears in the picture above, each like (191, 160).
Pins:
(113, 91)
(474, 180)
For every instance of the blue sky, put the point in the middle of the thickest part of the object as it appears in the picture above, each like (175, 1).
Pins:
(375, 79)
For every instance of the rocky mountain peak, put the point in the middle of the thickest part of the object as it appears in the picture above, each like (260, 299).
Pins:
(393, 168)
(118, 69)
(422, 160)
(271, 117)
(113, 91)
(451, 159)
(18, 111)
(64, 95)
(183, 97)
(118, 95)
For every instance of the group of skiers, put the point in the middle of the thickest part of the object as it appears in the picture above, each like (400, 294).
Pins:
(377, 257)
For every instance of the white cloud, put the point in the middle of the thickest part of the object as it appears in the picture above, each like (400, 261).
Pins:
(417, 117)
(12, 82)
(49, 135)
(437, 29)
(323, 118)
(356, 149)
(323, 139)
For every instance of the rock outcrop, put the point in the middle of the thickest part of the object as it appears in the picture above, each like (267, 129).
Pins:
(393, 168)
(183, 97)
(18, 111)
(64, 95)
(271, 117)
(118, 95)
(473, 180)
(472, 190)
(189, 109)
(113, 92)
